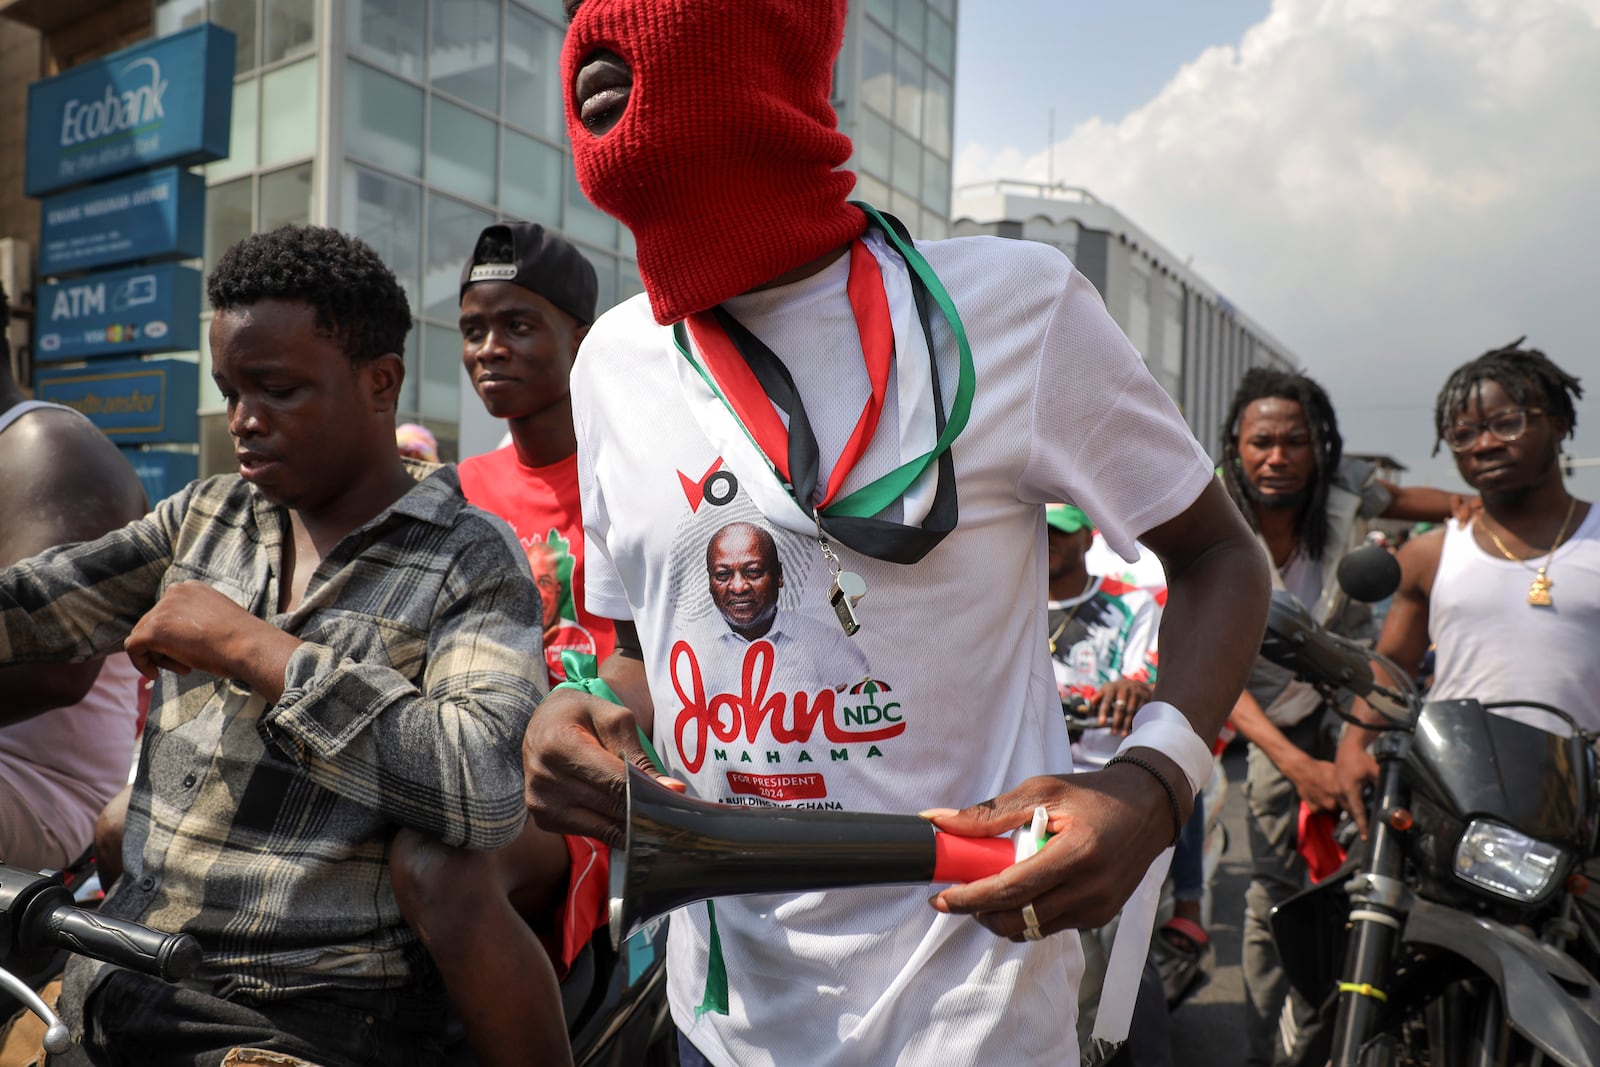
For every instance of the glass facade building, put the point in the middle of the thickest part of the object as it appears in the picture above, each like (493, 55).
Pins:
(415, 123)
(412, 124)
(894, 90)
(1195, 341)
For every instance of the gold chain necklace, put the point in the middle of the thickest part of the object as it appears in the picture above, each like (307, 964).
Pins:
(1073, 614)
(1539, 588)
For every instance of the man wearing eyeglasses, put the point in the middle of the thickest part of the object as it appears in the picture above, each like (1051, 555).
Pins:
(1283, 464)
(1511, 600)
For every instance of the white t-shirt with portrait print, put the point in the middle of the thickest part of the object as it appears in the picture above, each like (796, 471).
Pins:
(960, 702)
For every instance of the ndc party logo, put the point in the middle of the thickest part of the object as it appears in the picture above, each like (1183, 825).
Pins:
(868, 704)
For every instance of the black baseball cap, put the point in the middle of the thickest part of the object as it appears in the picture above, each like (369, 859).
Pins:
(526, 254)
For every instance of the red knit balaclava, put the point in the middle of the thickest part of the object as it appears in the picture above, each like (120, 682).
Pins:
(725, 163)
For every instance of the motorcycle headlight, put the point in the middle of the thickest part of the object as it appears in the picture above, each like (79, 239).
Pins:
(1495, 857)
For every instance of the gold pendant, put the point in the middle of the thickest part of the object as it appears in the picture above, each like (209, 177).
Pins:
(1539, 591)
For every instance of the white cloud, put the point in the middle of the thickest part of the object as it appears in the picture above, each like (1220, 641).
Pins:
(1389, 186)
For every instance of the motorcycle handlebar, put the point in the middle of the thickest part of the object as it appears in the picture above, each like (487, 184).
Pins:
(1294, 641)
(126, 944)
(38, 913)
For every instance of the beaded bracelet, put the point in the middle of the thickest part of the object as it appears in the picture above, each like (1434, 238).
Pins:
(1172, 794)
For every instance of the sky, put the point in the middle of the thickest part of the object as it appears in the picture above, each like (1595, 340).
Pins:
(1389, 187)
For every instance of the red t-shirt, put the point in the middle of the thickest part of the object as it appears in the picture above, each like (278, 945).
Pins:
(541, 504)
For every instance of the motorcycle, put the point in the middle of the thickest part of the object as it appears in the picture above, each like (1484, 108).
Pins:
(614, 998)
(1447, 938)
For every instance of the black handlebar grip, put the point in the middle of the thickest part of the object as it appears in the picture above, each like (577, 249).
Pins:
(127, 944)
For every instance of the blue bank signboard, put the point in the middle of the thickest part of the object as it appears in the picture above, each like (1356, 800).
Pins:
(169, 100)
(158, 214)
(142, 309)
(133, 400)
(163, 473)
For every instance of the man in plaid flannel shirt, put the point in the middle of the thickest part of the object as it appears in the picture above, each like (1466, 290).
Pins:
(341, 646)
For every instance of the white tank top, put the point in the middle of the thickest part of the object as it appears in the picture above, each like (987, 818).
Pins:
(1492, 645)
(67, 763)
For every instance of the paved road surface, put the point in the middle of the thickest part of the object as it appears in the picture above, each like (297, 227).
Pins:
(1208, 1031)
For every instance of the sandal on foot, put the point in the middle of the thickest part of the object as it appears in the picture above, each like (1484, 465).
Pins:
(1182, 952)
(1185, 937)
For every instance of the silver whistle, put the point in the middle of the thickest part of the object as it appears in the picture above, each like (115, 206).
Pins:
(847, 588)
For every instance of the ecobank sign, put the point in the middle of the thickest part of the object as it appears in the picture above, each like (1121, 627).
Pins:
(165, 101)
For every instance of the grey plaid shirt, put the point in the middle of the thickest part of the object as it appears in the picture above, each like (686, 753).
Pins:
(264, 829)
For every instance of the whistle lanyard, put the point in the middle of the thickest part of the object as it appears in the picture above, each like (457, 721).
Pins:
(751, 382)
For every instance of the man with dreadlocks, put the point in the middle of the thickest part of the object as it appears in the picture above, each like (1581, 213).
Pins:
(1511, 599)
(1284, 466)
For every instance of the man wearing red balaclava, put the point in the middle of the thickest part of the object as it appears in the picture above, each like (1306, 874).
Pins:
(895, 415)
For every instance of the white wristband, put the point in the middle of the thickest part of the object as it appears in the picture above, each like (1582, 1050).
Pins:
(1161, 726)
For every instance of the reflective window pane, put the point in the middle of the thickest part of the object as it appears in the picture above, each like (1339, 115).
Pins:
(441, 372)
(406, 407)
(584, 220)
(936, 183)
(175, 15)
(289, 112)
(941, 51)
(549, 8)
(453, 229)
(908, 19)
(871, 190)
(908, 92)
(241, 134)
(533, 73)
(291, 29)
(874, 145)
(907, 165)
(240, 17)
(882, 10)
(465, 58)
(228, 218)
(461, 151)
(388, 32)
(936, 121)
(287, 197)
(383, 119)
(905, 208)
(530, 183)
(388, 216)
(877, 68)
(947, 8)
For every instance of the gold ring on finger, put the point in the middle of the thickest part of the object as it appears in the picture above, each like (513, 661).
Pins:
(1030, 923)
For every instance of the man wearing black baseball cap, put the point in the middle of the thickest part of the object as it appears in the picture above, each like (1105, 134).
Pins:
(496, 922)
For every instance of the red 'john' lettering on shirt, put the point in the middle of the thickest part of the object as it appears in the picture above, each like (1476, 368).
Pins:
(726, 716)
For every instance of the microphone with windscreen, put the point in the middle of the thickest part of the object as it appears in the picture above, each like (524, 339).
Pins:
(1369, 574)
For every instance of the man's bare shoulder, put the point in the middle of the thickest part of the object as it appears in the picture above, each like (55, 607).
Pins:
(1419, 561)
(44, 429)
(65, 481)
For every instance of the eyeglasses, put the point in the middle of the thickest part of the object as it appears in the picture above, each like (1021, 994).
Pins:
(1506, 426)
